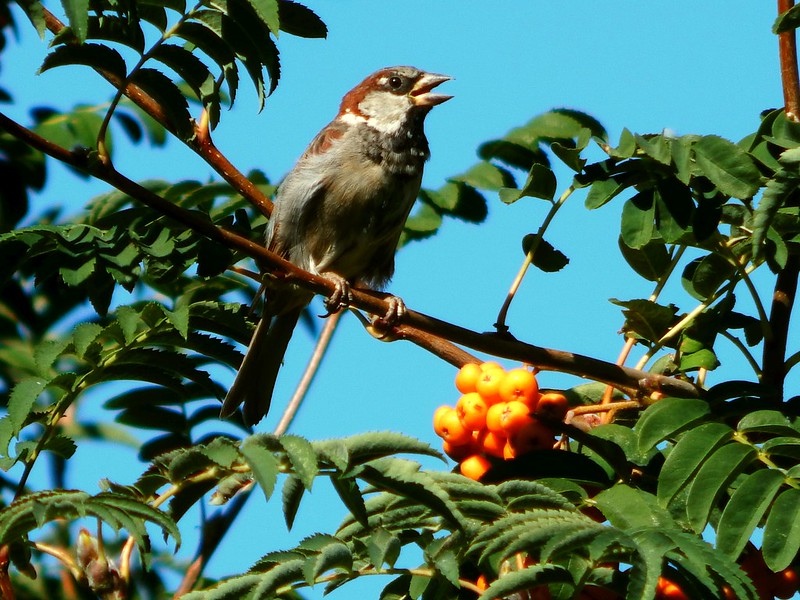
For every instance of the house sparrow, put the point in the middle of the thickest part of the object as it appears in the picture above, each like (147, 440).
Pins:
(339, 213)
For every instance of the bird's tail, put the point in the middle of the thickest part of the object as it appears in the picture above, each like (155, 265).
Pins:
(255, 380)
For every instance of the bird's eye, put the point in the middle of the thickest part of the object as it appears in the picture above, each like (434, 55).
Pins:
(395, 82)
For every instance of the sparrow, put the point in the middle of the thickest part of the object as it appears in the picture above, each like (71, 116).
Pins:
(339, 214)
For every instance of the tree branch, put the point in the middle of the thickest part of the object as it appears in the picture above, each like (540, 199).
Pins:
(200, 143)
(373, 302)
(787, 50)
(774, 356)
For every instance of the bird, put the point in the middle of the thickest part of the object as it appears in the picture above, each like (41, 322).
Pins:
(339, 213)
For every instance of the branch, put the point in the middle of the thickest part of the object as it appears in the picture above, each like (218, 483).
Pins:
(373, 302)
(787, 50)
(200, 143)
(774, 356)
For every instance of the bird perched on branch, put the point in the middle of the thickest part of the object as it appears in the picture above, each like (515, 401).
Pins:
(339, 214)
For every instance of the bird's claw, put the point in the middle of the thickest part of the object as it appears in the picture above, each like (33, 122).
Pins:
(395, 312)
(341, 296)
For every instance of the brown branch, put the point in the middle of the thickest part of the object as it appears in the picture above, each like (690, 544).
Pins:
(372, 302)
(787, 50)
(200, 143)
(783, 297)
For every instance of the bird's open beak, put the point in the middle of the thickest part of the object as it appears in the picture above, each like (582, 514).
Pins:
(421, 92)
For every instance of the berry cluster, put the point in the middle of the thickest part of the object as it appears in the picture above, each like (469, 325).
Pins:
(497, 416)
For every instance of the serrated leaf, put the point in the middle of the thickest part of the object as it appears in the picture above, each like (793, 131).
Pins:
(667, 417)
(712, 479)
(526, 579)
(169, 97)
(627, 507)
(351, 497)
(744, 510)
(383, 548)
(303, 458)
(782, 531)
(292, 494)
(263, 464)
(297, 19)
(767, 421)
(92, 55)
(727, 166)
(21, 400)
(685, 458)
(84, 336)
(77, 12)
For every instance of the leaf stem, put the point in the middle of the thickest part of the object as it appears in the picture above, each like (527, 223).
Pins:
(500, 325)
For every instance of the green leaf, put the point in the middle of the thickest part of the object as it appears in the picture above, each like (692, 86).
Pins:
(190, 68)
(782, 530)
(776, 192)
(292, 494)
(297, 19)
(727, 166)
(348, 492)
(602, 192)
(541, 183)
(744, 510)
(638, 220)
(650, 261)
(22, 399)
(666, 418)
(526, 579)
(656, 147)
(487, 176)
(92, 55)
(627, 507)
(767, 421)
(645, 318)
(303, 458)
(167, 94)
(267, 11)
(263, 464)
(712, 479)
(546, 258)
(77, 12)
(787, 21)
(703, 277)
(383, 548)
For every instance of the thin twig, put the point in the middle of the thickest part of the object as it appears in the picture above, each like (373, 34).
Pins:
(312, 367)
(500, 325)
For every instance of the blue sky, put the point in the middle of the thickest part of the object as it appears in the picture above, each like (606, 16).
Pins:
(692, 67)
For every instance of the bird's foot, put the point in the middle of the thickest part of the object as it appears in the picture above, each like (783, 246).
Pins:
(395, 312)
(341, 296)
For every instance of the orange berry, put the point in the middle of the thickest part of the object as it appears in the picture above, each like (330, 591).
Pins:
(475, 466)
(437, 415)
(481, 582)
(532, 436)
(450, 429)
(458, 453)
(487, 366)
(471, 410)
(491, 443)
(668, 590)
(519, 384)
(467, 377)
(552, 405)
(515, 416)
(488, 385)
(786, 583)
(728, 593)
(494, 416)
